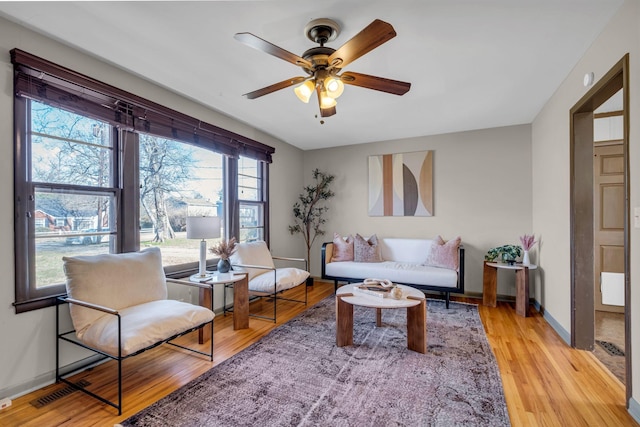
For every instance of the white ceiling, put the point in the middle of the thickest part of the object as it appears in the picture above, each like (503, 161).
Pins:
(473, 64)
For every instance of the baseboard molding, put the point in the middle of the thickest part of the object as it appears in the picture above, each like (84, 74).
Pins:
(634, 409)
(45, 379)
(564, 334)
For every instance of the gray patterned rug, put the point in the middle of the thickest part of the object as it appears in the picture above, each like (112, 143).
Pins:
(296, 376)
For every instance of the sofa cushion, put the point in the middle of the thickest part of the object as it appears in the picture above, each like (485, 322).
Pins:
(286, 278)
(366, 250)
(253, 253)
(115, 281)
(444, 255)
(342, 248)
(397, 272)
(144, 325)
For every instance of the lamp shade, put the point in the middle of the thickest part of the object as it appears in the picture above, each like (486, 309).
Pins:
(334, 87)
(304, 91)
(203, 227)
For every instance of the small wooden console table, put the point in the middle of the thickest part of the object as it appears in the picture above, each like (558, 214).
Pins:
(490, 284)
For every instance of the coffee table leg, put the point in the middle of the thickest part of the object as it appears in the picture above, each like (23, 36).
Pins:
(417, 327)
(241, 304)
(344, 322)
(378, 317)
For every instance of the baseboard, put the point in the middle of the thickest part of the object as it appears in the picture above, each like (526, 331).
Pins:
(634, 409)
(45, 379)
(564, 334)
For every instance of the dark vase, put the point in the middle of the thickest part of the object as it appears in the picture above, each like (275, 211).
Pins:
(224, 266)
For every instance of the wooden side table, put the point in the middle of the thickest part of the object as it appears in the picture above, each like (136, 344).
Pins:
(490, 284)
(240, 299)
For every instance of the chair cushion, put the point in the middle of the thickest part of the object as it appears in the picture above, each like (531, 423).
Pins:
(286, 278)
(144, 325)
(253, 253)
(116, 281)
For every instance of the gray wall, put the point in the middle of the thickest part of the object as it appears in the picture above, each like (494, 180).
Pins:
(27, 357)
(482, 192)
(551, 174)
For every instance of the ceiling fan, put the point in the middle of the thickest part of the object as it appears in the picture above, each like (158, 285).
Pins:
(323, 64)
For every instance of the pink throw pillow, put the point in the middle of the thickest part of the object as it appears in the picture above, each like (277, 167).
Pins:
(444, 255)
(366, 250)
(342, 248)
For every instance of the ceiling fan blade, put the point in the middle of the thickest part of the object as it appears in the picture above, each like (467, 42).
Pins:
(327, 111)
(270, 48)
(274, 87)
(372, 36)
(395, 87)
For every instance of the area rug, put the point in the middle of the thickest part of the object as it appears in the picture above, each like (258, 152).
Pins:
(296, 376)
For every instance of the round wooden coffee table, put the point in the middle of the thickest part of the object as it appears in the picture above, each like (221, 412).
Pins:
(412, 299)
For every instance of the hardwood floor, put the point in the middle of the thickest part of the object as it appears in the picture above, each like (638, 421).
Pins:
(546, 383)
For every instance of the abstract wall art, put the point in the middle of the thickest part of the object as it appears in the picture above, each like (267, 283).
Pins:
(401, 184)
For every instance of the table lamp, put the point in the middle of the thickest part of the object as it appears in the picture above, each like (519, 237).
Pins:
(203, 227)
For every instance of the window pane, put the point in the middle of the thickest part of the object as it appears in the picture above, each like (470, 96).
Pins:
(62, 124)
(69, 149)
(68, 225)
(251, 222)
(177, 180)
(49, 253)
(249, 182)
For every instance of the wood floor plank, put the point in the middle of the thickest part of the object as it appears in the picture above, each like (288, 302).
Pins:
(546, 382)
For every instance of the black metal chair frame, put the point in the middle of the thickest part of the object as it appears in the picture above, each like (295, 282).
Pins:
(64, 336)
(274, 294)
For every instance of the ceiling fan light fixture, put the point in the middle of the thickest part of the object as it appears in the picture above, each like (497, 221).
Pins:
(334, 87)
(326, 101)
(304, 91)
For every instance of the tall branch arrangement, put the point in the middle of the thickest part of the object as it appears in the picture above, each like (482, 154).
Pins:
(308, 211)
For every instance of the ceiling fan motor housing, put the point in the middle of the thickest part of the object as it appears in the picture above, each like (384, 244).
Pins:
(322, 30)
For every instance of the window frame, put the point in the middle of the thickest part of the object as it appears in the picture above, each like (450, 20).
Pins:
(41, 80)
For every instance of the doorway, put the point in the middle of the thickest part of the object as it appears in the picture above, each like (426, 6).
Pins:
(599, 238)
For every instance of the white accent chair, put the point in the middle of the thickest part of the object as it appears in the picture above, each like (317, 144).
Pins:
(265, 280)
(119, 308)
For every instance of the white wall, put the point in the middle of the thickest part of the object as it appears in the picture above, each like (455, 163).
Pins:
(27, 352)
(551, 174)
(482, 192)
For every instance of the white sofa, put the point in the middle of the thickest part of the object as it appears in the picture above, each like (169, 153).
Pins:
(403, 263)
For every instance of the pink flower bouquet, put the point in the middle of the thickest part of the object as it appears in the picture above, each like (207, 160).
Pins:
(527, 241)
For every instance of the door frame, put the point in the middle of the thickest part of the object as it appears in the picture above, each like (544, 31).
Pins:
(581, 215)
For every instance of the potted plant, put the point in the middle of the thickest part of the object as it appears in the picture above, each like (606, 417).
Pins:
(308, 211)
(506, 254)
(224, 249)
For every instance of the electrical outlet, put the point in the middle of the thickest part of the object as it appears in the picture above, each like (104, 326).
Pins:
(5, 403)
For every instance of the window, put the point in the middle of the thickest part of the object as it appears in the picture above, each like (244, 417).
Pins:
(69, 191)
(252, 200)
(100, 170)
(177, 180)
